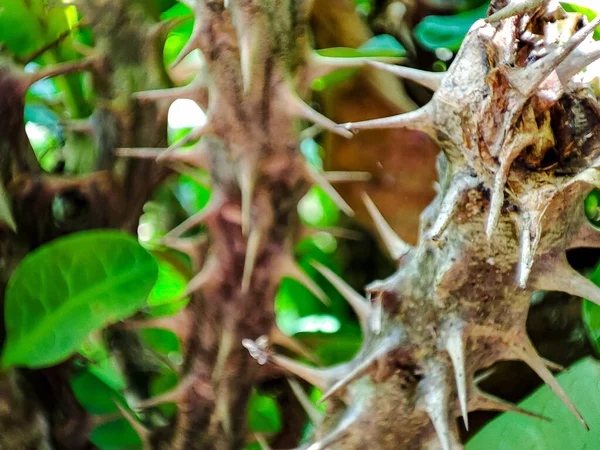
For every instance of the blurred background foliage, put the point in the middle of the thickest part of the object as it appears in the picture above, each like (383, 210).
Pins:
(42, 32)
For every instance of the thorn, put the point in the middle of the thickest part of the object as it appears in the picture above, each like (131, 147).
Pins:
(296, 107)
(289, 268)
(359, 304)
(484, 375)
(192, 136)
(205, 275)
(517, 7)
(176, 395)
(339, 433)
(61, 69)
(577, 61)
(198, 156)
(140, 429)
(384, 348)
(246, 59)
(179, 324)
(525, 351)
(318, 65)
(313, 413)
(208, 211)
(197, 91)
(552, 365)
(347, 177)
(189, 246)
(191, 44)
(6, 214)
(277, 337)
(142, 153)
(486, 402)
(560, 276)
(459, 186)
(497, 199)
(528, 79)
(419, 120)
(310, 132)
(262, 442)
(455, 346)
(434, 395)
(396, 247)
(317, 377)
(246, 182)
(430, 80)
(85, 126)
(528, 248)
(318, 179)
(252, 248)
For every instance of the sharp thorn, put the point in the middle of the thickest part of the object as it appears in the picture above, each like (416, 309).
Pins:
(317, 377)
(246, 182)
(496, 201)
(296, 107)
(455, 346)
(525, 351)
(315, 416)
(341, 233)
(485, 402)
(430, 80)
(318, 179)
(318, 65)
(516, 7)
(142, 153)
(262, 442)
(277, 337)
(359, 304)
(192, 136)
(577, 61)
(189, 46)
(208, 211)
(396, 247)
(200, 280)
(434, 397)
(458, 187)
(419, 120)
(289, 268)
(176, 395)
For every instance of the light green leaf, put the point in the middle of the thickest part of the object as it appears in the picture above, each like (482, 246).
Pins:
(116, 435)
(447, 31)
(517, 432)
(70, 287)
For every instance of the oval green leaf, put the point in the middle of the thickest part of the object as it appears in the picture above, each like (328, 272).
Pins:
(516, 432)
(70, 287)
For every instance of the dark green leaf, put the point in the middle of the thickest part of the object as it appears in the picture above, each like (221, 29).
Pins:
(70, 287)
(518, 432)
(116, 435)
(94, 395)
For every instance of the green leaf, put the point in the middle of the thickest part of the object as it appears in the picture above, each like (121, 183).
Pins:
(378, 46)
(70, 287)
(263, 414)
(116, 435)
(447, 31)
(93, 394)
(518, 432)
(169, 286)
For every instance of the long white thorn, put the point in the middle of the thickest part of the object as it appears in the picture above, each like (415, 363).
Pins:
(530, 239)
(359, 304)
(317, 377)
(191, 44)
(434, 398)
(177, 395)
(577, 61)
(262, 442)
(192, 136)
(289, 268)
(396, 247)
(430, 80)
(313, 413)
(342, 429)
(419, 120)
(296, 107)
(516, 7)
(319, 179)
(496, 201)
(197, 156)
(246, 182)
(141, 153)
(252, 249)
(455, 346)
(525, 351)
